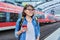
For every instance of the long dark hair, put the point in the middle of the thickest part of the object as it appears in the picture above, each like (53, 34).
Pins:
(24, 14)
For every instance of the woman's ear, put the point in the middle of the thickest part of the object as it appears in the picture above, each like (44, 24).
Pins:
(25, 11)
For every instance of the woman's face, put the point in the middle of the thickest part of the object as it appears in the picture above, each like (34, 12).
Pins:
(29, 11)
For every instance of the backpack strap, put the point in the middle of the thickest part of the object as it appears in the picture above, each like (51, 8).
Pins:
(20, 24)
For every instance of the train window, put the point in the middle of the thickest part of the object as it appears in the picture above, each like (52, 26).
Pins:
(51, 17)
(40, 16)
(13, 17)
(43, 16)
(2, 17)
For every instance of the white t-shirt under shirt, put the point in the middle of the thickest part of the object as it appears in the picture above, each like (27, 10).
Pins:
(30, 33)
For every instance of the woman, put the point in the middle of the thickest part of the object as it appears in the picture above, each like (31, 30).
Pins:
(31, 31)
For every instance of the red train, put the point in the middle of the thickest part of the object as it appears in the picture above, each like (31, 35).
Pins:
(57, 18)
(49, 18)
(40, 16)
(46, 18)
(8, 15)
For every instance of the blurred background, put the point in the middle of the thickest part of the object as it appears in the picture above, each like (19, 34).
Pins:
(47, 12)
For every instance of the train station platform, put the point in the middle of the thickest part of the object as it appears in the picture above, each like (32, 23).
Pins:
(54, 36)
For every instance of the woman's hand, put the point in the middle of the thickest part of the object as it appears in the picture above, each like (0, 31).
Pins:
(19, 32)
(22, 30)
